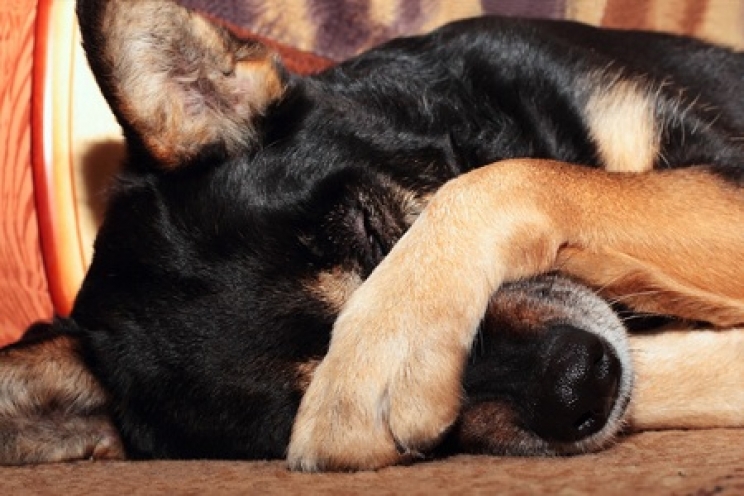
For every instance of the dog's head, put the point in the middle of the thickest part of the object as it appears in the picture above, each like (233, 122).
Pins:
(251, 205)
(197, 104)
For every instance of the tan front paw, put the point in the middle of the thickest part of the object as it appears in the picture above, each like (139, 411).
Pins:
(374, 403)
(390, 385)
(341, 428)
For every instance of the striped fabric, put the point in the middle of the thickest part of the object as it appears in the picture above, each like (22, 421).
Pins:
(338, 29)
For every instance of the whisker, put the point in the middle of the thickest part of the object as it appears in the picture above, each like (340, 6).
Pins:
(620, 299)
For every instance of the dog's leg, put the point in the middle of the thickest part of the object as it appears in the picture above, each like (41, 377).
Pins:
(390, 384)
(688, 379)
(51, 407)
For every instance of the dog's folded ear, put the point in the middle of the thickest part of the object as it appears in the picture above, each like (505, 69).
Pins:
(177, 83)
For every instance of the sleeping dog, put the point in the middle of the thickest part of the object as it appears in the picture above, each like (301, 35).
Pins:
(429, 248)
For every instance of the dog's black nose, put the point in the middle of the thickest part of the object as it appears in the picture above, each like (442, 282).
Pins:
(578, 388)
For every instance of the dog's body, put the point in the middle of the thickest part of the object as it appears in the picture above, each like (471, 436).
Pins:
(253, 204)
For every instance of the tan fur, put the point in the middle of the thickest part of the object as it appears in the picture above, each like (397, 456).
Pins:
(646, 254)
(622, 123)
(411, 203)
(335, 287)
(647, 288)
(688, 379)
(412, 355)
(419, 309)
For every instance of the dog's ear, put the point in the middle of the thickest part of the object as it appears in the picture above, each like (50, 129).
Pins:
(177, 83)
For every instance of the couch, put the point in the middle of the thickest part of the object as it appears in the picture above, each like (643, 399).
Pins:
(53, 176)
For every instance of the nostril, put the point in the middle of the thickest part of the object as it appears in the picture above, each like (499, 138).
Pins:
(577, 386)
(585, 421)
(592, 420)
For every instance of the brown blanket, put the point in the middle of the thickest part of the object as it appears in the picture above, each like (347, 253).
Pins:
(652, 463)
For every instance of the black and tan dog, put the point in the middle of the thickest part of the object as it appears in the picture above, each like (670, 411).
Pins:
(225, 315)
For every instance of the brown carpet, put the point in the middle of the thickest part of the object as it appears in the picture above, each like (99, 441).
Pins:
(651, 463)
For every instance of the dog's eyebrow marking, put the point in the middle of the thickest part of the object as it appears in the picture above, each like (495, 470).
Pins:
(305, 371)
(335, 286)
(623, 125)
(413, 204)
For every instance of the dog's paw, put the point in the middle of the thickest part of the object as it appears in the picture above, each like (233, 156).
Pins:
(385, 393)
(390, 385)
(357, 415)
(108, 446)
(341, 426)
